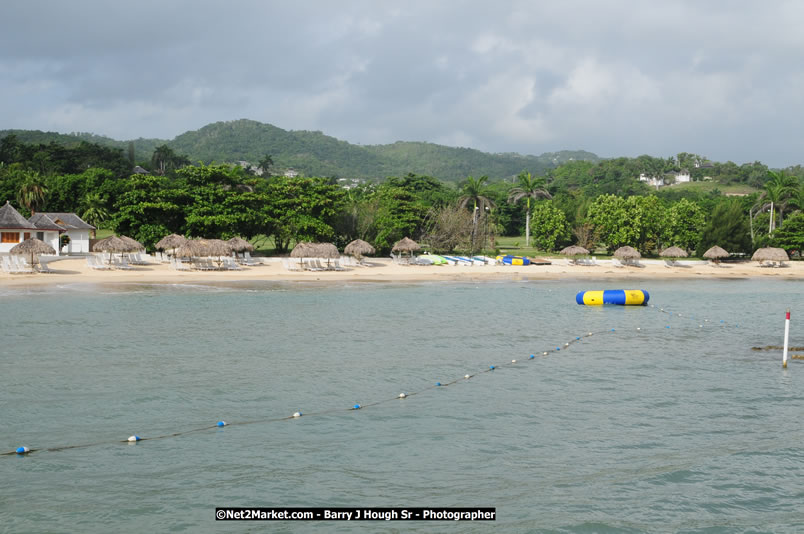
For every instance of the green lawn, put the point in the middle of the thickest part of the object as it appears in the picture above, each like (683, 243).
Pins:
(706, 187)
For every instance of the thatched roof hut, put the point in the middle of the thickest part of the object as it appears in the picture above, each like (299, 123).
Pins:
(240, 245)
(33, 247)
(715, 253)
(770, 254)
(574, 250)
(674, 252)
(627, 253)
(170, 242)
(405, 244)
(358, 248)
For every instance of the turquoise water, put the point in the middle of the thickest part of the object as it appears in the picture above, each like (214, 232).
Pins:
(644, 429)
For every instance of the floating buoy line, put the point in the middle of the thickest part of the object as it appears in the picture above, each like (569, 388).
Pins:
(24, 450)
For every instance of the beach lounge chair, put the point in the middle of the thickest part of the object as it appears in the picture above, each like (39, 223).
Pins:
(616, 262)
(96, 263)
(121, 263)
(43, 267)
(231, 265)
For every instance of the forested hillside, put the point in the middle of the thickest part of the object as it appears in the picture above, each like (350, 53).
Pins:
(317, 154)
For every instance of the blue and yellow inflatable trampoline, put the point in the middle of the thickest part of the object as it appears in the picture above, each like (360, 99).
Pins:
(623, 297)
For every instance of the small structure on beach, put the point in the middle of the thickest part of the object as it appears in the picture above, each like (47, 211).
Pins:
(406, 244)
(32, 247)
(574, 251)
(715, 254)
(358, 248)
(770, 254)
(170, 242)
(628, 255)
(72, 226)
(239, 244)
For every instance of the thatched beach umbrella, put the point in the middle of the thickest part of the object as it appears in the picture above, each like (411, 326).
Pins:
(171, 242)
(302, 250)
(715, 254)
(188, 249)
(627, 253)
(32, 246)
(770, 254)
(111, 244)
(213, 247)
(406, 244)
(574, 250)
(134, 245)
(326, 250)
(239, 244)
(358, 248)
(674, 252)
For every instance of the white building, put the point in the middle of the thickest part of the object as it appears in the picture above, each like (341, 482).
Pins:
(14, 229)
(653, 181)
(71, 225)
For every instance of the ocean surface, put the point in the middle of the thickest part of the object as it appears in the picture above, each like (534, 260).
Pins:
(657, 422)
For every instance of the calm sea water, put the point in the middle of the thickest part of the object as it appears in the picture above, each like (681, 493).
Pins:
(644, 429)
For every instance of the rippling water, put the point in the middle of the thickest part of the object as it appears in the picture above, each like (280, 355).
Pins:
(647, 428)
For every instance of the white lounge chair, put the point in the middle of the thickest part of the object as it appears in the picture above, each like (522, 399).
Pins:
(231, 265)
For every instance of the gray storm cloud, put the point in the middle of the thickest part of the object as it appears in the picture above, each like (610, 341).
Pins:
(615, 78)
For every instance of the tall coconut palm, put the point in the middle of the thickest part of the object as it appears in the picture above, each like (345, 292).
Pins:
(778, 190)
(476, 193)
(32, 193)
(529, 187)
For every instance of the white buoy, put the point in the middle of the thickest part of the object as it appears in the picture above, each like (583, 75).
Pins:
(467, 376)
(544, 354)
(513, 361)
(134, 438)
(297, 414)
(402, 395)
(786, 335)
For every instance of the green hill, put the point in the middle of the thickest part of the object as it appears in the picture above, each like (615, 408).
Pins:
(316, 154)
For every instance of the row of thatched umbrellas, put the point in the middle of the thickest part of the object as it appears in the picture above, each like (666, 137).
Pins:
(715, 253)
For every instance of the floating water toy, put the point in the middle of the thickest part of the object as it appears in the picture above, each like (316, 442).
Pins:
(623, 297)
(513, 260)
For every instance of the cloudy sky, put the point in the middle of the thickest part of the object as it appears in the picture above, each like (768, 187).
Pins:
(618, 78)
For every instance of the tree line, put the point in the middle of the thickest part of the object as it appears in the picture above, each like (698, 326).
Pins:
(599, 204)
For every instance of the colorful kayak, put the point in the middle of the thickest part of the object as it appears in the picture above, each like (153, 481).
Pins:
(623, 297)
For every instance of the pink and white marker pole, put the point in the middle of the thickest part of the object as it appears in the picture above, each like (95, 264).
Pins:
(786, 335)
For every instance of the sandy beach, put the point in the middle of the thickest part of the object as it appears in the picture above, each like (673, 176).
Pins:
(75, 270)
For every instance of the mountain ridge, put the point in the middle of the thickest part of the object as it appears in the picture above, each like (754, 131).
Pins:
(314, 153)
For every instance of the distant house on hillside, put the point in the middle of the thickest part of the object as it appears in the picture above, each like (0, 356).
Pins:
(659, 181)
(68, 224)
(140, 170)
(290, 173)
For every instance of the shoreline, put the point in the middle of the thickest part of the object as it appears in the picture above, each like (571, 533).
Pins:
(72, 270)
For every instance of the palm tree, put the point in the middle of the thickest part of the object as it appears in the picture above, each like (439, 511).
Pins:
(32, 193)
(476, 192)
(94, 210)
(529, 187)
(778, 190)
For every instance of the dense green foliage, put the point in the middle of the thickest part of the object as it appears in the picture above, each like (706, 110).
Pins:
(595, 203)
(316, 154)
